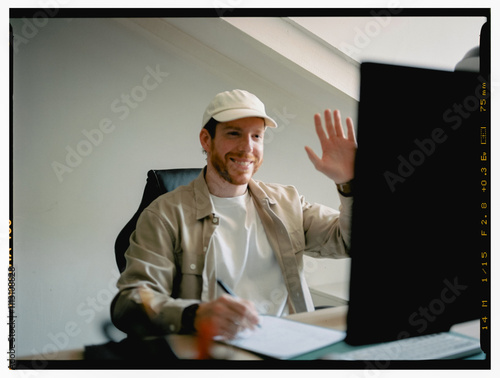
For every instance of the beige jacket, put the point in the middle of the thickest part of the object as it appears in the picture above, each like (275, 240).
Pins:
(166, 257)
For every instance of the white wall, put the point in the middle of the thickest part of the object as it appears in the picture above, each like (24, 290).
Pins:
(68, 74)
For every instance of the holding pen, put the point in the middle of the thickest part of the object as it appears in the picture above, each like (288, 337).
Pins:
(227, 290)
(224, 317)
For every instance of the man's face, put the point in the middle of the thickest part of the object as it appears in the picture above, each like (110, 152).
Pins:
(237, 150)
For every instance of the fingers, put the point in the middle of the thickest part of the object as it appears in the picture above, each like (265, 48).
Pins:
(333, 125)
(313, 157)
(319, 128)
(338, 124)
(227, 315)
(242, 312)
(338, 151)
(350, 130)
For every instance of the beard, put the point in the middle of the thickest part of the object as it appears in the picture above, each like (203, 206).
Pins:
(229, 170)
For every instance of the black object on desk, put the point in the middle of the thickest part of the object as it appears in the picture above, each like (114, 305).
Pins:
(132, 353)
(415, 258)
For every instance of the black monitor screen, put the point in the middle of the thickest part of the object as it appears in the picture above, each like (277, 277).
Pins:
(415, 258)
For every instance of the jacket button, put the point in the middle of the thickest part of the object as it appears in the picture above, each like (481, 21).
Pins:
(192, 266)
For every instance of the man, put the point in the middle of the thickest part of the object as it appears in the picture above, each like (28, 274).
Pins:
(226, 226)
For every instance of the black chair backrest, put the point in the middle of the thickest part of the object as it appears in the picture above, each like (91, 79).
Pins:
(159, 181)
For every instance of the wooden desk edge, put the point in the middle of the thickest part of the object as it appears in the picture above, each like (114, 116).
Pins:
(184, 345)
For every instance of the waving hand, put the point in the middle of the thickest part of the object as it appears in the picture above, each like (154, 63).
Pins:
(337, 161)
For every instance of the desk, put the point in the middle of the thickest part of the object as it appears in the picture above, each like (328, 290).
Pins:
(330, 294)
(184, 346)
(334, 317)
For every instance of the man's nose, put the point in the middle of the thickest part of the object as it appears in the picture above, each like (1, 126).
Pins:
(246, 144)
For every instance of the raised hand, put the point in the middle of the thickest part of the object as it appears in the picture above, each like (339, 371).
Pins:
(339, 151)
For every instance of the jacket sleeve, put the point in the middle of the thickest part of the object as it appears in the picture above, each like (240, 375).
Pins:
(327, 231)
(145, 303)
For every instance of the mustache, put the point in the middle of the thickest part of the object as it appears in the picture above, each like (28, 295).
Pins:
(243, 156)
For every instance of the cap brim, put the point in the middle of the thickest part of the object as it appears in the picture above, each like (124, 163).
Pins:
(232, 114)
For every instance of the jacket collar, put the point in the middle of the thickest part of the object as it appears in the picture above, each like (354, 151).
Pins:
(204, 206)
(259, 194)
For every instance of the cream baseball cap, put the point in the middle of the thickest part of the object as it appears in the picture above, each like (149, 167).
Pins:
(236, 104)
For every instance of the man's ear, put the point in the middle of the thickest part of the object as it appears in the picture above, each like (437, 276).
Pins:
(205, 139)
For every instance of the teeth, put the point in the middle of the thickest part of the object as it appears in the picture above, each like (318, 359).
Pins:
(243, 163)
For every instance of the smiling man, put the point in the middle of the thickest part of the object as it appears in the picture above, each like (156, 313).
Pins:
(234, 156)
(227, 226)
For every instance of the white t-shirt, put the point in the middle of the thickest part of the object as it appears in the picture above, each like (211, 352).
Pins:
(243, 258)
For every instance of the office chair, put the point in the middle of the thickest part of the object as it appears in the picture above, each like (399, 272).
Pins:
(159, 181)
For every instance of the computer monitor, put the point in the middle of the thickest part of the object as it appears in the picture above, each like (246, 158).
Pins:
(416, 261)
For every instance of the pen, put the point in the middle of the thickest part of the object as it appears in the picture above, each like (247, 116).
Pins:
(227, 290)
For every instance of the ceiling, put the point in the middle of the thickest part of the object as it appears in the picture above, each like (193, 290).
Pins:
(302, 53)
(432, 42)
